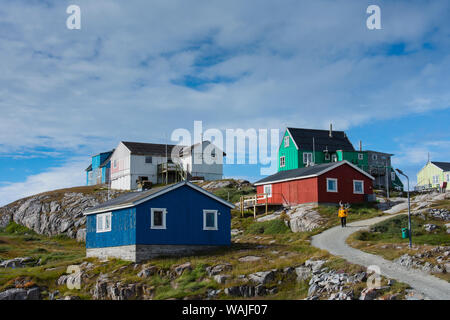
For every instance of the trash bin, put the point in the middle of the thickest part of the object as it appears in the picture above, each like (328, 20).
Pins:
(405, 233)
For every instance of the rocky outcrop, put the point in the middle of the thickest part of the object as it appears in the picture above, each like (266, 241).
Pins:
(299, 218)
(440, 256)
(21, 294)
(52, 213)
(20, 262)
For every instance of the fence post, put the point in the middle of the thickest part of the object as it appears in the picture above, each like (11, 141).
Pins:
(254, 206)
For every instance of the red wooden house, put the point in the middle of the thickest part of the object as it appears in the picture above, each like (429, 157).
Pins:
(322, 183)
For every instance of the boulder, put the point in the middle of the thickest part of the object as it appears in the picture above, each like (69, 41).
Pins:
(182, 267)
(368, 294)
(262, 277)
(147, 272)
(303, 273)
(219, 268)
(249, 259)
(221, 278)
(429, 227)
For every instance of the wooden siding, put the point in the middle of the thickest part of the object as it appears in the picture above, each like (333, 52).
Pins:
(123, 230)
(290, 153)
(315, 189)
(184, 222)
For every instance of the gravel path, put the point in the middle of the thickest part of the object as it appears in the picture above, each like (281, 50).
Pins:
(333, 240)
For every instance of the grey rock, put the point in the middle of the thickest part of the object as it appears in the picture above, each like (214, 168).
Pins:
(14, 294)
(221, 278)
(182, 267)
(429, 227)
(147, 272)
(303, 273)
(249, 259)
(262, 277)
(217, 269)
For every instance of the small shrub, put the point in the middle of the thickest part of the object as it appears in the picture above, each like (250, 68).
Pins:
(14, 228)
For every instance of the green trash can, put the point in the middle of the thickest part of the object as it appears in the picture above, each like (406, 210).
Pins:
(405, 233)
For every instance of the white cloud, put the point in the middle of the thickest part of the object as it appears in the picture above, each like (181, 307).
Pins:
(68, 175)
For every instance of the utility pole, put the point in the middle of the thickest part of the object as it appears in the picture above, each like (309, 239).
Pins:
(409, 208)
(387, 180)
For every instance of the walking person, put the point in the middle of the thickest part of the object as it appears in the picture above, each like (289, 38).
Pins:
(343, 213)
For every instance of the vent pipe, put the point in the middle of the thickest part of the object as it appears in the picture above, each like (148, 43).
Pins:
(331, 130)
(360, 145)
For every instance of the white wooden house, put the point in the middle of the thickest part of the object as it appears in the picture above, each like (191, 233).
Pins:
(134, 161)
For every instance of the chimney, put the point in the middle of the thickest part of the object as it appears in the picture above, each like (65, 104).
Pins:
(331, 130)
(360, 145)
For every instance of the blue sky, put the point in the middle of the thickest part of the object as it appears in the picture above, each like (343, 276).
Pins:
(138, 70)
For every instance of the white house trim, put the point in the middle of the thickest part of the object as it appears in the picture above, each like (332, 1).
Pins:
(103, 217)
(335, 180)
(362, 184)
(157, 194)
(216, 217)
(164, 212)
(340, 163)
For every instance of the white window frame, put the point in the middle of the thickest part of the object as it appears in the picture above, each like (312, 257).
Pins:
(362, 187)
(336, 181)
(286, 141)
(327, 156)
(103, 218)
(115, 163)
(269, 193)
(393, 176)
(282, 161)
(305, 161)
(436, 179)
(151, 159)
(374, 157)
(164, 211)
(334, 158)
(360, 156)
(216, 223)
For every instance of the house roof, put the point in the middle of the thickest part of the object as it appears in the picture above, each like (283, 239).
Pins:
(132, 199)
(141, 148)
(303, 139)
(445, 166)
(307, 172)
(105, 162)
(188, 150)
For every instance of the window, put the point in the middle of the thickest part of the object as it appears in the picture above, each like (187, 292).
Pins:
(286, 141)
(334, 158)
(148, 159)
(268, 190)
(210, 220)
(358, 186)
(158, 218)
(104, 222)
(393, 176)
(115, 163)
(448, 177)
(332, 185)
(435, 179)
(282, 161)
(360, 156)
(327, 156)
(307, 157)
(374, 157)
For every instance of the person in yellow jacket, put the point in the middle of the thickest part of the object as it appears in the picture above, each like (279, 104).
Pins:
(343, 213)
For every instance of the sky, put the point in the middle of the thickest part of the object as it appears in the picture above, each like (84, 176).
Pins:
(137, 70)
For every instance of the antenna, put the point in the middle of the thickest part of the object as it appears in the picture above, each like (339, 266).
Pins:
(314, 152)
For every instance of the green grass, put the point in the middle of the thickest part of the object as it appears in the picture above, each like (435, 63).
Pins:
(232, 194)
(275, 226)
(389, 231)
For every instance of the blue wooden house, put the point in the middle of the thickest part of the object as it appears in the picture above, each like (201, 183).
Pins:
(180, 219)
(98, 171)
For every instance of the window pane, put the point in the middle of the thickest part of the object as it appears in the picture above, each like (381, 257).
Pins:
(157, 218)
(210, 219)
(331, 185)
(107, 221)
(99, 222)
(358, 186)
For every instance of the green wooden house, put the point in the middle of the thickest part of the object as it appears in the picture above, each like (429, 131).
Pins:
(304, 147)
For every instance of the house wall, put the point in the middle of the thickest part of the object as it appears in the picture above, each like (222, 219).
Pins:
(290, 153)
(141, 169)
(345, 176)
(197, 167)
(292, 192)
(315, 189)
(184, 220)
(120, 168)
(123, 230)
(425, 175)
